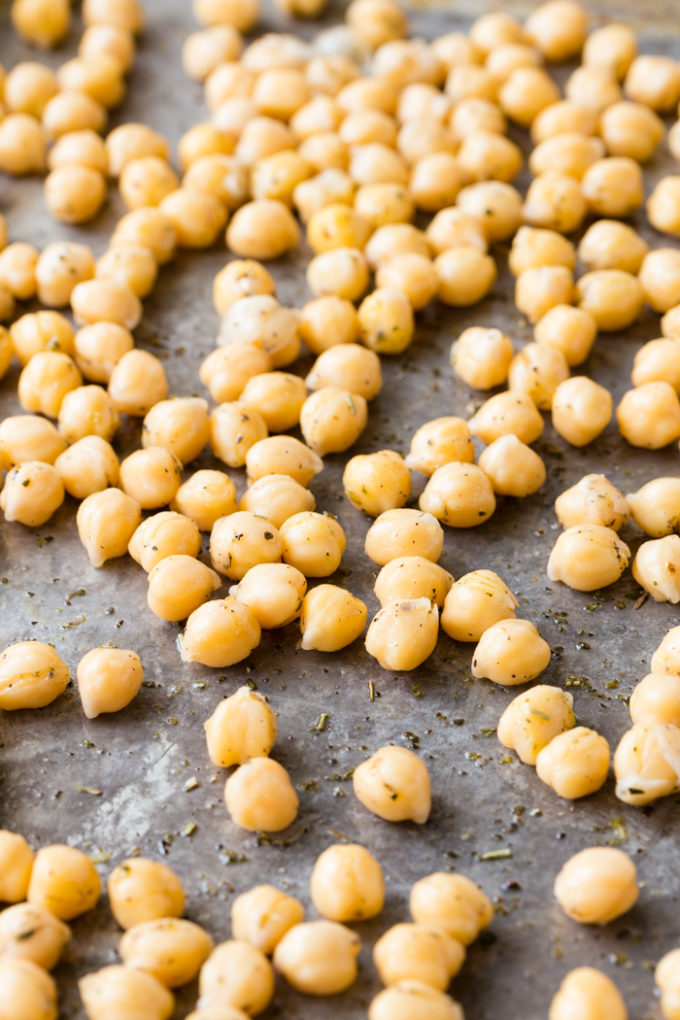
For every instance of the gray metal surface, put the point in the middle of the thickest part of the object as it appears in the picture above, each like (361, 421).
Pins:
(141, 758)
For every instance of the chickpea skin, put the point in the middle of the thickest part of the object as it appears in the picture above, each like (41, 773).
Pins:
(533, 719)
(347, 884)
(513, 467)
(26, 990)
(259, 796)
(510, 413)
(32, 493)
(64, 881)
(16, 858)
(459, 495)
(313, 543)
(243, 726)
(220, 633)
(510, 652)
(413, 1000)
(586, 988)
(394, 784)
(106, 522)
(178, 585)
(597, 885)
(593, 500)
(318, 957)
(588, 556)
(452, 903)
(331, 618)
(30, 932)
(142, 890)
(474, 603)
(655, 507)
(581, 410)
(482, 357)
(120, 991)
(417, 952)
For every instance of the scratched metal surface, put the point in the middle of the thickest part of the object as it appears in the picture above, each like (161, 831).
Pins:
(141, 758)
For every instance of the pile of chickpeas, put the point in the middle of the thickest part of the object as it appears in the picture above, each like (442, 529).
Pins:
(342, 144)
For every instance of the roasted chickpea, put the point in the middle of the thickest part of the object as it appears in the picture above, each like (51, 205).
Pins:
(198, 217)
(64, 881)
(614, 298)
(282, 455)
(613, 187)
(27, 989)
(32, 675)
(563, 117)
(439, 442)
(45, 380)
(220, 633)
(474, 603)
(264, 229)
(608, 244)
(471, 81)
(164, 534)
(645, 761)
(659, 278)
(558, 28)
(18, 262)
(476, 114)
(459, 494)
(496, 205)
(113, 40)
(29, 437)
(526, 92)
(574, 763)
(394, 770)
(655, 507)
(61, 266)
(465, 276)
(347, 364)
(28, 87)
(332, 419)
(384, 203)
(655, 566)
(663, 206)
(541, 288)
(377, 482)
(108, 680)
(403, 633)
(277, 497)
(597, 885)
(593, 500)
(23, 145)
(481, 357)
(273, 592)
(234, 429)
(504, 414)
(533, 248)
(386, 321)
(612, 47)
(670, 323)
(533, 719)
(395, 239)
(70, 111)
(151, 476)
(412, 577)
(132, 264)
(510, 652)
(235, 974)
(654, 80)
(587, 988)
(571, 331)
(404, 532)
(656, 699)
(88, 411)
(581, 410)
(452, 228)
(588, 556)
(451, 903)
(513, 467)
(203, 140)
(657, 361)
(145, 181)
(259, 796)
(180, 425)
(507, 57)
(221, 176)
(105, 301)
(30, 932)
(262, 321)
(106, 522)
(137, 381)
(170, 949)
(263, 915)
(342, 273)
(318, 957)
(118, 990)
(130, 142)
(88, 466)
(649, 415)
(141, 890)
(555, 201)
(241, 541)
(347, 884)
(418, 952)
(632, 130)
(568, 153)
(593, 87)
(242, 727)
(328, 187)
(313, 543)
(125, 14)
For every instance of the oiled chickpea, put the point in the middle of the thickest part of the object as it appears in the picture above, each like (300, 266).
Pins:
(262, 321)
(203, 140)
(439, 442)
(30, 932)
(657, 360)
(197, 216)
(571, 331)
(459, 495)
(325, 188)
(394, 771)
(451, 903)
(348, 365)
(23, 145)
(108, 680)
(377, 482)
(262, 916)
(581, 410)
(164, 534)
(537, 370)
(64, 881)
(29, 437)
(413, 1000)
(130, 142)
(404, 532)
(126, 14)
(331, 618)
(412, 274)
(15, 853)
(566, 153)
(612, 47)
(273, 592)
(241, 278)
(588, 556)
(558, 28)
(132, 264)
(654, 81)
(555, 201)
(533, 248)
(110, 39)
(655, 565)
(436, 180)
(106, 522)
(645, 761)
(149, 228)
(631, 129)
(609, 244)
(259, 136)
(27, 990)
(563, 117)
(418, 952)
(656, 699)
(597, 885)
(243, 726)
(234, 428)
(663, 206)
(263, 229)
(277, 176)
(236, 974)
(318, 957)
(347, 884)
(337, 226)
(513, 467)
(465, 276)
(318, 115)
(170, 949)
(277, 397)
(575, 763)
(240, 14)
(496, 205)
(281, 92)
(277, 497)
(221, 176)
(142, 890)
(476, 114)
(32, 675)
(151, 476)
(314, 543)
(220, 633)
(510, 413)
(385, 202)
(342, 273)
(60, 267)
(325, 151)
(395, 239)
(474, 603)
(137, 381)
(282, 455)
(88, 466)
(99, 77)
(533, 719)
(70, 111)
(45, 380)
(614, 298)
(613, 187)
(28, 86)
(649, 415)
(593, 87)
(586, 988)
(105, 301)
(471, 81)
(241, 541)
(489, 31)
(145, 181)
(179, 424)
(403, 634)
(260, 797)
(507, 57)
(670, 323)
(412, 577)
(655, 507)
(510, 652)
(540, 288)
(386, 321)
(17, 269)
(526, 92)
(119, 990)
(659, 278)
(332, 419)
(593, 500)
(87, 411)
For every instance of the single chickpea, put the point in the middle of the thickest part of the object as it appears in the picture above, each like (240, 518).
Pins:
(452, 903)
(170, 949)
(235, 974)
(670, 323)
(281, 92)
(28, 86)
(137, 381)
(263, 915)
(105, 301)
(131, 264)
(419, 138)
(403, 634)
(534, 248)
(88, 466)
(465, 276)
(15, 853)
(273, 592)
(203, 140)
(145, 181)
(277, 397)
(655, 507)
(118, 990)
(474, 603)
(23, 145)
(331, 618)
(654, 80)
(496, 205)
(6, 315)
(100, 78)
(571, 331)
(241, 278)
(228, 80)
(413, 1000)
(564, 116)
(29, 437)
(632, 130)
(45, 380)
(372, 92)
(440, 442)
(533, 719)
(460, 495)
(30, 932)
(608, 244)
(149, 228)
(70, 111)
(404, 532)
(327, 187)
(489, 31)
(240, 14)
(526, 92)
(673, 140)
(394, 784)
(504, 414)
(106, 522)
(655, 361)
(507, 57)
(597, 885)
(386, 321)
(510, 652)
(455, 48)
(588, 556)
(60, 267)
(395, 239)
(663, 206)
(127, 14)
(540, 288)
(151, 476)
(348, 365)
(342, 273)
(513, 467)
(108, 680)
(18, 262)
(592, 87)
(197, 216)
(110, 39)
(471, 81)
(318, 115)
(614, 298)
(32, 675)
(347, 884)
(593, 500)
(221, 176)
(613, 187)
(241, 541)
(418, 952)
(555, 201)
(452, 228)
(413, 274)
(142, 890)
(575, 763)
(612, 47)
(412, 577)
(180, 425)
(164, 534)
(537, 370)
(234, 429)
(558, 28)
(243, 726)
(262, 321)
(659, 278)
(585, 987)
(645, 762)
(260, 137)
(581, 410)
(313, 543)
(282, 455)
(649, 415)
(655, 565)
(384, 203)
(64, 881)
(277, 497)
(259, 796)
(318, 957)
(568, 153)
(220, 633)
(88, 411)
(337, 226)
(481, 357)
(377, 482)
(436, 180)
(264, 229)
(130, 142)
(476, 114)
(377, 21)
(332, 419)
(27, 991)
(6, 349)
(656, 699)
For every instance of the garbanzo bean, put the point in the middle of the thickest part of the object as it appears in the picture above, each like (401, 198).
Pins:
(242, 540)
(16, 857)
(260, 137)
(220, 633)
(631, 129)
(436, 180)
(240, 278)
(459, 495)
(126, 14)
(197, 216)
(260, 797)
(328, 322)
(513, 467)
(526, 92)
(563, 117)
(655, 507)
(164, 534)
(569, 153)
(413, 1000)
(581, 410)
(88, 466)
(613, 187)
(105, 301)
(99, 77)
(145, 181)
(541, 288)
(403, 633)
(510, 413)
(510, 652)
(263, 229)
(325, 188)
(331, 618)
(612, 47)
(240, 14)
(533, 719)
(142, 890)
(179, 584)
(453, 228)
(481, 357)
(347, 883)
(394, 770)
(574, 763)
(27, 88)
(64, 881)
(588, 556)
(61, 266)
(226, 370)
(332, 419)
(412, 577)
(29, 437)
(663, 206)
(30, 932)
(649, 415)
(384, 202)
(593, 500)
(585, 987)
(108, 680)
(273, 592)
(597, 885)
(151, 476)
(654, 80)
(475, 114)
(23, 145)
(440, 442)
(474, 603)
(313, 543)
(203, 140)
(670, 324)
(17, 269)
(571, 331)
(32, 492)
(32, 675)
(465, 276)
(349, 366)
(170, 949)
(220, 175)
(646, 761)
(467, 81)
(452, 903)
(133, 264)
(318, 957)
(129, 142)
(88, 411)
(243, 726)
(277, 397)
(537, 370)
(27, 991)
(150, 228)
(262, 321)
(555, 201)
(180, 425)
(277, 497)
(658, 276)
(666, 979)
(395, 239)
(70, 111)
(114, 40)
(613, 297)
(282, 455)
(235, 975)
(558, 28)
(262, 916)
(666, 658)
(120, 991)
(45, 380)
(655, 565)
(657, 361)
(6, 315)
(106, 522)
(418, 952)
(404, 532)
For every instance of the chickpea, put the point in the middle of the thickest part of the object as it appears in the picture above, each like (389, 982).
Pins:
(496, 205)
(141, 890)
(259, 796)
(507, 57)
(654, 81)
(282, 455)
(28, 87)
(32, 493)
(277, 397)
(64, 881)
(263, 915)
(567, 153)
(645, 761)
(571, 331)
(412, 274)
(318, 957)
(220, 633)
(581, 410)
(110, 39)
(670, 325)
(240, 14)
(673, 140)
(395, 239)
(347, 884)
(137, 381)
(203, 140)
(655, 699)
(404, 532)
(26, 989)
(89, 465)
(436, 180)
(663, 205)
(273, 592)
(612, 47)
(105, 301)
(658, 276)
(100, 78)
(513, 467)
(654, 567)
(277, 497)
(32, 675)
(180, 425)
(259, 137)
(86, 411)
(221, 176)
(125, 14)
(29, 932)
(526, 92)
(106, 522)
(510, 413)
(386, 321)
(6, 315)
(70, 111)
(665, 976)
(555, 201)
(532, 720)
(558, 28)
(234, 429)
(455, 48)
(465, 276)
(131, 264)
(197, 216)
(377, 21)
(657, 361)
(412, 577)
(574, 763)
(593, 87)
(23, 146)
(418, 952)
(319, 114)
(585, 987)
(227, 81)
(6, 347)
(370, 92)
(588, 556)
(377, 482)
(593, 500)
(15, 853)
(130, 142)
(337, 226)
(420, 138)
(169, 949)
(331, 618)
(352, 367)
(649, 415)
(614, 297)
(145, 181)
(474, 603)
(403, 633)
(384, 203)
(451, 903)
(451, 228)
(262, 321)
(597, 885)
(313, 543)
(655, 507)
(538, 370)
(564, 116)
(608, 244)
(540, 288)
(264, 229)
(241, 278)
(236, 973)
(470, 81)
(476, 114)
(413, 1000)
(460, 495)
(242, 727)
(25, 437)
(510, 652)
(149, 228)
(17, 269)
(440, 442)
(533, 248)
(632, 130)
(241, 541)
(60, 267)
(124, 991)
(277, 176)
(332, 419)
(179, 584)
(613, 187)
(327, 187)
(108, 680)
